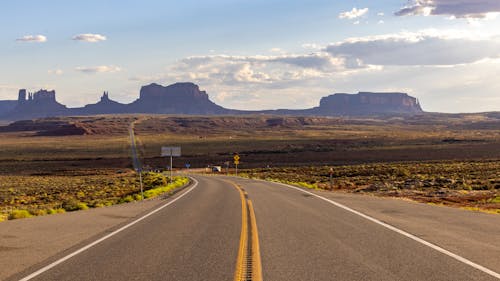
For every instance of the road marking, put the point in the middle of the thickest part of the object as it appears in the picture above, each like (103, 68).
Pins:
(46, 268)
(248, 262)
(402, 232)
(256, 261)
(240, 272)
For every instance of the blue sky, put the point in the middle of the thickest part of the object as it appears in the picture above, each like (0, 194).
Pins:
(255, 54)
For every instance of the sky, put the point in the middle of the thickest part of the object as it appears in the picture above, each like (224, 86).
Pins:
(255, 54)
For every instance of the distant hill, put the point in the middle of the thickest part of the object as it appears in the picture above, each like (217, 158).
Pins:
(187, 98)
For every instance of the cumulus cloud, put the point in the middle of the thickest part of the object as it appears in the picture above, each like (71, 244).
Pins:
(89, 37)
(32, 38)
(454, 8)
(353, 14)
(436, 66)
(98, 69)
(260, 69)
(417, 48)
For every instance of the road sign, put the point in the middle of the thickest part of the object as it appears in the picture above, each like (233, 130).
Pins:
(171, 151)
(236, 162)
(188, 165)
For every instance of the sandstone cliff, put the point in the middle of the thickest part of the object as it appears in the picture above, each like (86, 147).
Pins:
(178, 98)
(367, 103)
(187, 98)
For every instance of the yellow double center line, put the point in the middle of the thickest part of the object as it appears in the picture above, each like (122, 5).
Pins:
(248, 263)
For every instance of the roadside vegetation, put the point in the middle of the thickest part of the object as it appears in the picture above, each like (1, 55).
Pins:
(473, 185)
(27, 196)
(450, 159)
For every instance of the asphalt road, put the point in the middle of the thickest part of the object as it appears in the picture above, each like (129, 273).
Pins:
(195, 238)
(301, 238)
(305, 238)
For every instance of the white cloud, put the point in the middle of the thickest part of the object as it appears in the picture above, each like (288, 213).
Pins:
(256, 82)
(32, 38)
(353, 14)
(380, 22)
(457, 9)
(428, 47)
(99, 69)
(89, 37)
(55, 71)
(380, 14)
(440, 67)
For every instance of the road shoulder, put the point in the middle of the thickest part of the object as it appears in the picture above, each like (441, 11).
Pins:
(26, 243)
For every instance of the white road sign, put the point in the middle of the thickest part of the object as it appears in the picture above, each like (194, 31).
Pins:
(171, 151)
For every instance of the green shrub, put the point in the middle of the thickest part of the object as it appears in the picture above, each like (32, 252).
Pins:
(152, 180)
(127, 199)
(39, 212)
(74, 205)
(178, 182)
(19, 214)
(495, 200)
(82, 206)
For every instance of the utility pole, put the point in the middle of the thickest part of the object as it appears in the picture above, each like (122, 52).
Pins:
(171, 180)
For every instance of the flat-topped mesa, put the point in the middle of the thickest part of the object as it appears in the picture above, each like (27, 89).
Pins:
(180, 98)
(368, 103)
(178, 90)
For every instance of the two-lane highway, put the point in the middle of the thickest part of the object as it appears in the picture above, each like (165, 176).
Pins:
(202, 236)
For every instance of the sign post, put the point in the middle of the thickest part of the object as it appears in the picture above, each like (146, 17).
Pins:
(171, 151)
(236, 162)
(331, 178)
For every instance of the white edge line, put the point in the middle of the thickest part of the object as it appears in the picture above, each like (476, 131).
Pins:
(46, 268)
(397, 230)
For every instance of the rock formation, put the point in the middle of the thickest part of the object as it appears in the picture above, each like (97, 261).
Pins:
(186, 98)
(178, 98)
(7, 106)
(39, 104)
(104, 106)
(367, 103)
